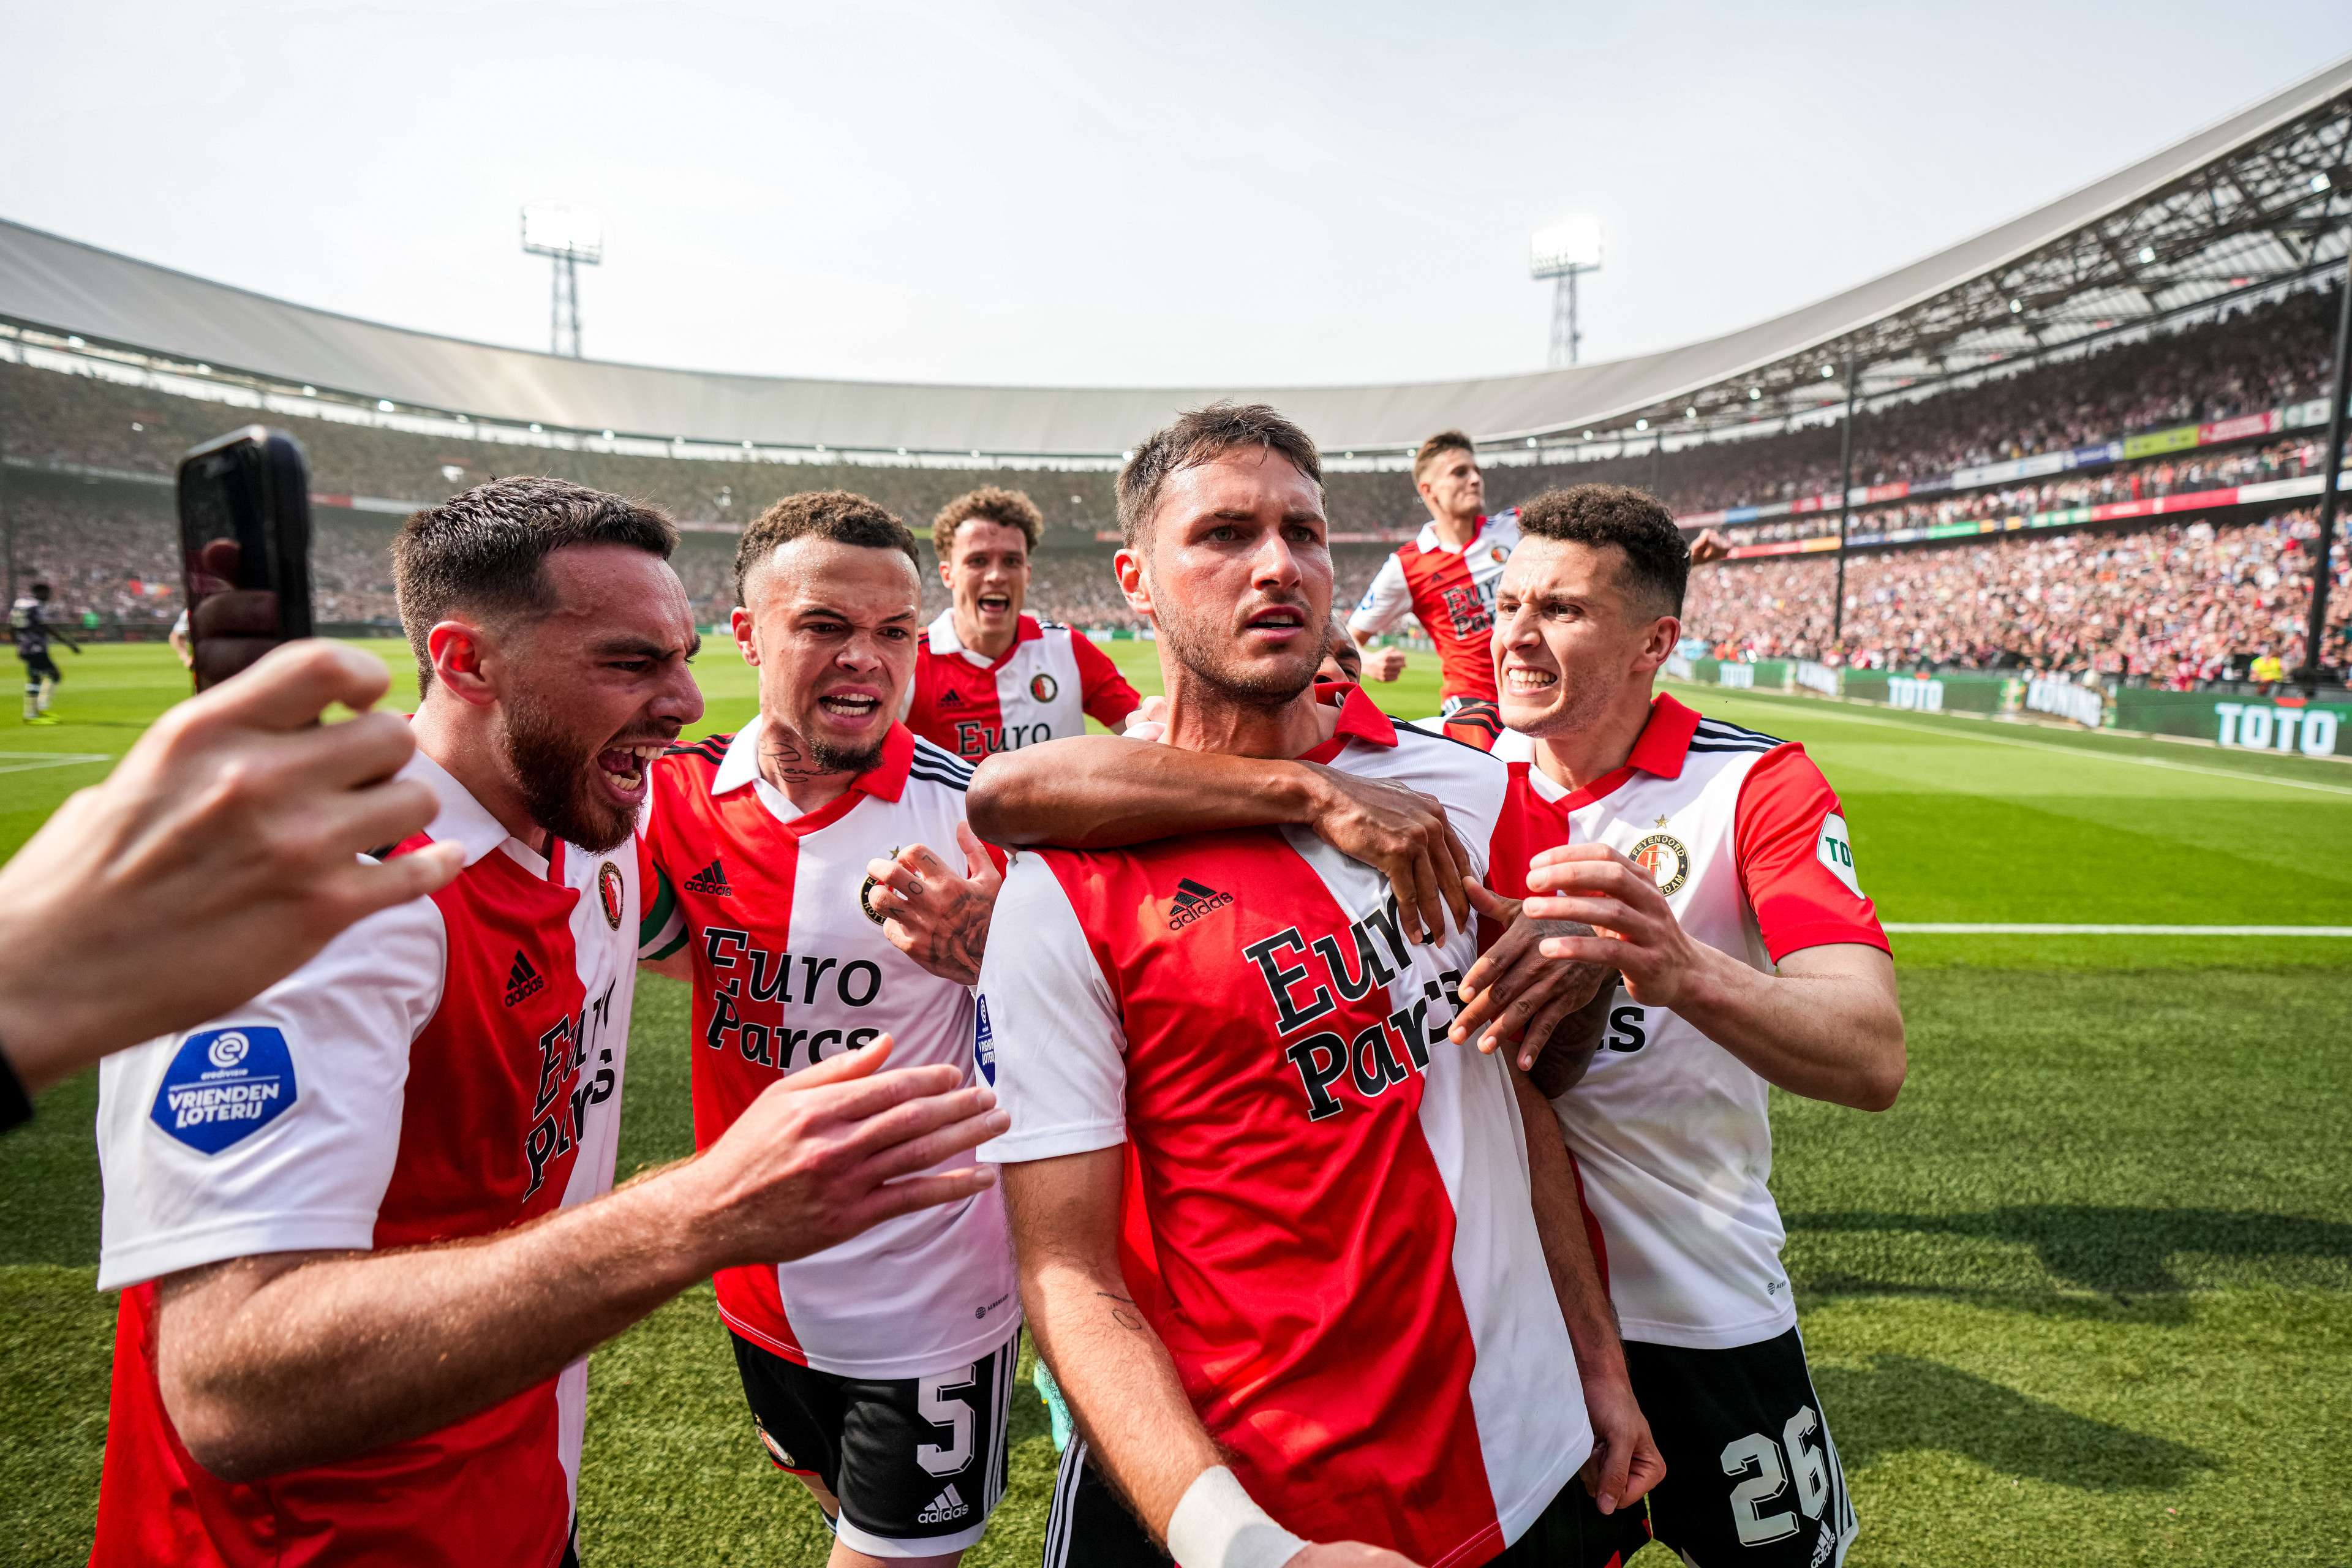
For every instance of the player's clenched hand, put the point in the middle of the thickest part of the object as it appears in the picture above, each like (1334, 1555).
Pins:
(1347, 1554)
(1403, 834)
(936, 918)
(833, 1149)
(1513, 994)
(1385, 665)
(218, 857)
(1635, 932)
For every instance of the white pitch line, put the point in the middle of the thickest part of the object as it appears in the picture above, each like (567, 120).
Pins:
(1849, 717)
(1949, 928)
(10, 761)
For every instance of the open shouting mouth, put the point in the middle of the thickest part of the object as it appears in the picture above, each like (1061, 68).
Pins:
(624, 768)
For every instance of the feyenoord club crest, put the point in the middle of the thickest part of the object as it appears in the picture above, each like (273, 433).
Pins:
(1501, 553)
(608, 887)
(1043, 688)
(1662, 855)
(866, 896)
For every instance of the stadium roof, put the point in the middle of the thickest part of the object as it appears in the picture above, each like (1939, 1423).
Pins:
(2257, 197)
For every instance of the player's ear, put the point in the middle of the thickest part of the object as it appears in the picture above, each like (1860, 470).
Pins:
(738, 621)
(1128, 567)
(458, 649)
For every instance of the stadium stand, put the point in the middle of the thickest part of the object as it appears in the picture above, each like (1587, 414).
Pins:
(2182, 605)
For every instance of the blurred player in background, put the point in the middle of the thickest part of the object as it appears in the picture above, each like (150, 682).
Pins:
(990, 678)
(1716, 865)
(28, 618)
(1445, 579)
(358, 1222)
(880, 1371)
(1332, 1304)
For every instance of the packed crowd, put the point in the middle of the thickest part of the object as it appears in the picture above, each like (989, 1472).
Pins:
(2149, 479)
(2172, 606)
(2245, 362)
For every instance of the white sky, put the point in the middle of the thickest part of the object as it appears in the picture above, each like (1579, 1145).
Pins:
(1089, 191)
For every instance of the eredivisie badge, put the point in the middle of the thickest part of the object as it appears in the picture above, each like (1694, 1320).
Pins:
(866, 896)
(608, 887)
(1662, 855)
(1044, 688)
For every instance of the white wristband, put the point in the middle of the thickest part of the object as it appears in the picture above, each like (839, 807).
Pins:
(1216, 1525)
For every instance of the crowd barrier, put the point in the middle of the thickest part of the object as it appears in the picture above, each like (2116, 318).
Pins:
(2283, 722)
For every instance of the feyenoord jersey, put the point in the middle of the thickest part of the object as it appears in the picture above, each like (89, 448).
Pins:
(1043, 688)
(1452, 593)
(1337, 1244)
(790, 969)
(447, 1068)
(1750, 846)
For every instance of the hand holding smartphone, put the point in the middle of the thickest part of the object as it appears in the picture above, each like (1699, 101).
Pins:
(245, 543)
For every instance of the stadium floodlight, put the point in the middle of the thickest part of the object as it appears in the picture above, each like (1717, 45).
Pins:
(574, 237)
(1563, 253)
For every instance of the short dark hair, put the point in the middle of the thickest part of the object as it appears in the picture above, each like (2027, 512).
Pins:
(1657, 559)
(1202, 436)
(1013, 509)
(1444, 441)
(484, 549)
(842, 516)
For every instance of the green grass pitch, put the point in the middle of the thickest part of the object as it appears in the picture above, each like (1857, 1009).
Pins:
(2084, 1296)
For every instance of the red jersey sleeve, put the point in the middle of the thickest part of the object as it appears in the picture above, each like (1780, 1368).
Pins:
(1109, 698)
(1796, 858)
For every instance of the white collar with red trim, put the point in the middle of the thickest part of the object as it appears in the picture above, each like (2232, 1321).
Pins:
(885, 781)
(464, 821)
(943, 637)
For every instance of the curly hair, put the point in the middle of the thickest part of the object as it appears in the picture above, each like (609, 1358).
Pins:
(1657, 559)
(843, 516)
(1013, 509)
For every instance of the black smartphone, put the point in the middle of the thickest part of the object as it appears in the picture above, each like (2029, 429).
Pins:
(245, 538)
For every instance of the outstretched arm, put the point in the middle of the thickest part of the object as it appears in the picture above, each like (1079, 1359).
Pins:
(1098, 791)
(1122, 1388)
(273, 1362)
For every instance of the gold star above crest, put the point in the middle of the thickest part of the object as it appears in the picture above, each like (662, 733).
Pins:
(1662, 822)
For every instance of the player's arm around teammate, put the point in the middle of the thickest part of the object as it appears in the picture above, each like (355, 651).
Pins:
(365, 1208)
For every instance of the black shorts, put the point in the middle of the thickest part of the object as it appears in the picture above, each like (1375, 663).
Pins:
(1089, 1527)
(919, 1463)
(40, 667)
(1752, 1477)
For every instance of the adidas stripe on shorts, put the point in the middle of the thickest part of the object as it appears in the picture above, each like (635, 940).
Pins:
(919, 1463)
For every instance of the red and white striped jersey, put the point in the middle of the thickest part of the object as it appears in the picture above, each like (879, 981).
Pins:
(790, 968)
(1044, 688)
(448, 1067)
(1452, 593)
(1329, 1222)
(1750, 846)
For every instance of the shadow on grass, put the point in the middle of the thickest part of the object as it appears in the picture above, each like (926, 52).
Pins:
(2122, 1252)
(1900, 1403)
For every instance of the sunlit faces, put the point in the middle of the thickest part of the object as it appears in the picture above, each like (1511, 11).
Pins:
(831, 628)
(591, 690)
(1236, 573)
(1452, 486)
(1569, 634)
(987, 573)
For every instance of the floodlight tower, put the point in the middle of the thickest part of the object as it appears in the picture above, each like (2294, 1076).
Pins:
(1565, 252)
(572, 236)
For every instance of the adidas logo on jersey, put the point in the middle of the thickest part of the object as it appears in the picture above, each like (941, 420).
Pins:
(951, 697)
(711, 879)
(947, 1505)
(1192, 900)
(522, 980)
